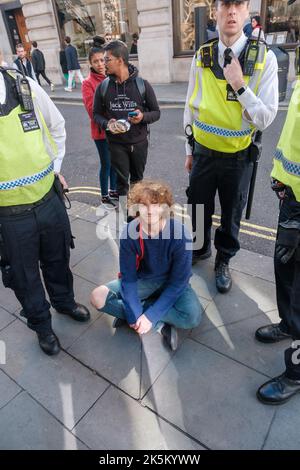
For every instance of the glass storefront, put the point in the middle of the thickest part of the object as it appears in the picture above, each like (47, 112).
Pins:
(184, 23)
(83, 19)
(282, 22)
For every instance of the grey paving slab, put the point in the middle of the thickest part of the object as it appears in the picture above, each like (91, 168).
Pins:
(67, 329)
(65, 387)
(8, 390)
(80, 210)
(203, 280)
(5, 318)
(237, 341)
(86, 240)
(248, 297)
(8, 299)
(155, 357)
(117, 421)
(212, 398)
(284, 433)
(25, 425)
(114, 353)
(102, 265)
(254, 264)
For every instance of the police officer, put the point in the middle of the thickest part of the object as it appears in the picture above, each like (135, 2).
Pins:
(286, 181)
(233, 90)
(34, 226)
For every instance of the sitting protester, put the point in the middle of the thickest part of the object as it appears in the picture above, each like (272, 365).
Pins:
(153, 290)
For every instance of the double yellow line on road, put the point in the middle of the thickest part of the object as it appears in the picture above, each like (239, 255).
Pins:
(247, 228)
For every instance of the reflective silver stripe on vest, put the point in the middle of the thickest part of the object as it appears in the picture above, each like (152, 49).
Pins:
(27, 180)
(290, 167)
(221, 131)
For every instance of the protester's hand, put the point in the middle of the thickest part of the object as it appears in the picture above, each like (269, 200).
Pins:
(63, 181)
(144, 325)
(112, 126)
(136, 119)
(189, 163)
(234, 75)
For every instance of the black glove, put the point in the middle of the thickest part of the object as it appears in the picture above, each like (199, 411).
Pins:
(288, 240)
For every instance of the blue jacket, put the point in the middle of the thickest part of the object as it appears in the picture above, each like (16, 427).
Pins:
(72, 58)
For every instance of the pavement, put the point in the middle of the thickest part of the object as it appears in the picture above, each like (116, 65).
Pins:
(167, 94)
(109, 389)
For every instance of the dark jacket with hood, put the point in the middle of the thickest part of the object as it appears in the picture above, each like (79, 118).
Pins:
(120, 98)
(38, 60)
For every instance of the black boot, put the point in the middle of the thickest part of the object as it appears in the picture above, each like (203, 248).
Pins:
(223, 277)
(278, 390)
(271, 334)
(169, 333)
(49, 343)
(78, 313)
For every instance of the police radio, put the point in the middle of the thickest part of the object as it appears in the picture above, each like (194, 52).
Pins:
(251, 56)
(24, 93)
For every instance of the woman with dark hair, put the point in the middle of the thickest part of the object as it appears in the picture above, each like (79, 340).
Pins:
(256, 27)
(96, 76)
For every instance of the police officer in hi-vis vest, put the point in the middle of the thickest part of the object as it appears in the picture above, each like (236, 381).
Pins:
(34, 226)
(286, 182)
(233, 91)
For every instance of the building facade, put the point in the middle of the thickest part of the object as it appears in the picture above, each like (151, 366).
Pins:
(160, 34)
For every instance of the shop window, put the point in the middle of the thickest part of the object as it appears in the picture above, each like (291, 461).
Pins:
(84, 19)
(184, 24)
(282, 22)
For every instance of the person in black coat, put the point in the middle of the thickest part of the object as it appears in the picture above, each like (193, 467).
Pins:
(22, 63)
(72, 63)
(39, 65)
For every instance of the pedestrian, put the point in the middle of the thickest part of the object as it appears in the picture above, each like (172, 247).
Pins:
(72, 64)
(39, 65)
(107, 173)
(98, 41)
(153, 289)
(286, 181)
(22, 63)
(35, 231)
(134, 45)
(124, 92)
(108, 37)
(256, 27)
(225, 104)
(64, 67)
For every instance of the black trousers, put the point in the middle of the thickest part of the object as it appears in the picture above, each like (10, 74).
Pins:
(39, 238)
(288, 298)
(230, 176)
(129, 162)
(43, 73)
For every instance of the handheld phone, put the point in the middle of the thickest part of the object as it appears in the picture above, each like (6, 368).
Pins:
(24, 94)
(132, 114)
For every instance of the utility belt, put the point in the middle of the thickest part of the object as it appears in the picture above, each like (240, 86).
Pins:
(242, 154)
(23, 208)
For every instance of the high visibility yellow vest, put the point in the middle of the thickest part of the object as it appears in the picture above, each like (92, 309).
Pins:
(287, 155)
(219, 125)
(26, 169)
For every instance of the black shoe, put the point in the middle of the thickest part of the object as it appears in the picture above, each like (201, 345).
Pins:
(118, 322)
(114, 195)
(169, 332)
(278, 390)
(223, 277)
(199, 255)
(79, 313)
(271, 334)
(49, 343)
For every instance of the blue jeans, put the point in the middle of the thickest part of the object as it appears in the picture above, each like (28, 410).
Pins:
(106, 170)
(186, 312)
